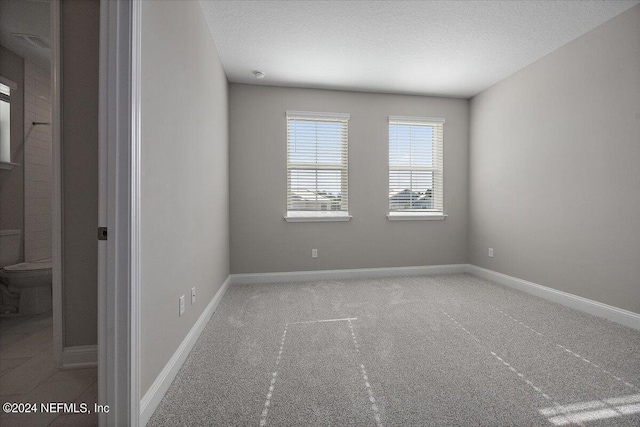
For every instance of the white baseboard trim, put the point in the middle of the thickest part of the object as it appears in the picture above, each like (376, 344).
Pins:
(156, 392)
(359, 273)
(81, 356)
(615, 314)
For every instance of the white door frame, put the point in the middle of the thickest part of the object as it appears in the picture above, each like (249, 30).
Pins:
(119, 190)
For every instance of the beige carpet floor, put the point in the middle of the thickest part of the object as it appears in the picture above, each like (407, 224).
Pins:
(449, 350)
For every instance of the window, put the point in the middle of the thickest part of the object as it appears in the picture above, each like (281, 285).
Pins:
(5, 124)
(317, 166)
(415, 168)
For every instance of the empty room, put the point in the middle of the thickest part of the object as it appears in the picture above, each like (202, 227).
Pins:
(399, 173)
(368, 213)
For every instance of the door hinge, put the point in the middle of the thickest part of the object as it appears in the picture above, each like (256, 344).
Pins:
(102, 233)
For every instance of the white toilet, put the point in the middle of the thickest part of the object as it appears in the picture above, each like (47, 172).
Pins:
(31, 280)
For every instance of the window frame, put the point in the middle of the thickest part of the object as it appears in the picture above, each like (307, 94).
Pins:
(417, 214)
(5, 146)
(326, 215)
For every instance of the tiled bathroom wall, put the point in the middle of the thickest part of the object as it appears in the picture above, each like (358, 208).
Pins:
(38, 176)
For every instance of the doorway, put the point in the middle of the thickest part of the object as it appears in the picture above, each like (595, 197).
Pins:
(48, 325)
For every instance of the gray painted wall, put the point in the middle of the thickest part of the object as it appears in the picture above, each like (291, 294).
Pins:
(80, 66)
(12, 182)
(555, 168)
(261, 240)
(185, 176)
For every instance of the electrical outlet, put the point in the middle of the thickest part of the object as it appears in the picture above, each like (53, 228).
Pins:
(193, 295)
(490, 252)
(181, 305)
(314, 253)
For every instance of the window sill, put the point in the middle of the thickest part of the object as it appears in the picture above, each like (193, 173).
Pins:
(317, 217)
(8, 165)
(415, 216)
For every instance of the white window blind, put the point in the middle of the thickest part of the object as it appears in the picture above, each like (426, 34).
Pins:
(416, 164)
(317, 163)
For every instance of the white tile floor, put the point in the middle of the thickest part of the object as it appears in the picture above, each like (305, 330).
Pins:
(28, 374)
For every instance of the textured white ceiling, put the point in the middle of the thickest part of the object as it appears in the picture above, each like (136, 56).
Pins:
(30, 17)
(446, 48)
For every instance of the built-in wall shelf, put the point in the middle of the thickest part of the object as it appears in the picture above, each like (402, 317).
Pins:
(7, 165)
